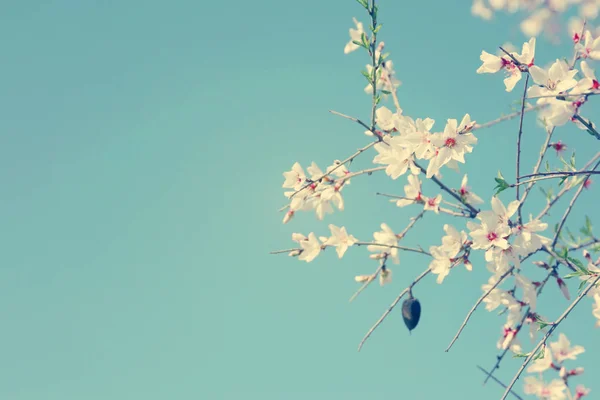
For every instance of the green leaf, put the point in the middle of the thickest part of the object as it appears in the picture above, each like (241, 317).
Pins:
(579, 265)
(562, 180)
(363, 3)
(377, 28)
(540, 354)
(581, 285)
(520, 355)
(501, 184)
(573, 275)
(367, 75)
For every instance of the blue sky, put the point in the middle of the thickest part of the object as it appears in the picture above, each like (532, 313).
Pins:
(141, 155)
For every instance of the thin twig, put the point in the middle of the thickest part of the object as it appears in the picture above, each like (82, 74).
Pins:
(472, 210)
(564, 190)
(371, 279)
(508, 117)
(561, 173)
(500, 357)
(421, 251)
(358, 121)
(570, 207)
(583, 245)
(539, 163)
(479, 301)
(499, 382)
(391, 307)
(347, 160)
(518, 173)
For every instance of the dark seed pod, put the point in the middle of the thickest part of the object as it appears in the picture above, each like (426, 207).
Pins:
(411, 312)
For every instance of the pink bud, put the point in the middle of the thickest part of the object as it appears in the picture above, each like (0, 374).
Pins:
(288, 216)
(587, 255)
(587, 183)
(563, 288)
(576, 371)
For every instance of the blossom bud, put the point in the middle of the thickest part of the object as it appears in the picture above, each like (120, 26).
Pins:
(576, 371)
(541, 264)
(563, 288)
(288, 216)
(363, 278)
(587, 255)
(581, 391)
(587, 183)
(411, 312)
(294, 253)
(377, 256)
(562, 373)
(468, 264)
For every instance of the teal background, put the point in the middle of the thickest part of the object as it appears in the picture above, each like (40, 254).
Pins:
(141, 153)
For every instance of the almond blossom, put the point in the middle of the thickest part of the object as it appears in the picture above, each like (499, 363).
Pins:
(589, 83)
(489, 233)
(590, 48)
(542, 364)
(509, 340)
(295, 178)
(444, 255)
(412, 192)
(311, 247)
(387, 80)
(581, 391)
(452, 144)
(417, 135)
(466, 194)
(340, 239)
(355, 35)
(562, 349)
(385, 237)
(499, 213)
(555, 390)
(386, 119)
(528, 289)
(432, 203)
(396, 156)
(526, 240)
(557, 79)
(385, 276)
(493, 64)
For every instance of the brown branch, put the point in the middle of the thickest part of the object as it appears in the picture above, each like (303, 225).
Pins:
(519, 216)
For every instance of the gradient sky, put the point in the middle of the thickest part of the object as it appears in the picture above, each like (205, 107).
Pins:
(141, 155)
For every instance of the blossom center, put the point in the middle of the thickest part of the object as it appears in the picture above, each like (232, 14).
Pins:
(450, 142)
(492, 236)
(551, 84)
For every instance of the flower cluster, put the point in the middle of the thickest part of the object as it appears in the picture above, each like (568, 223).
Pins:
(415, 141)
(552, 358)
(412, 147)
(319, 192)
